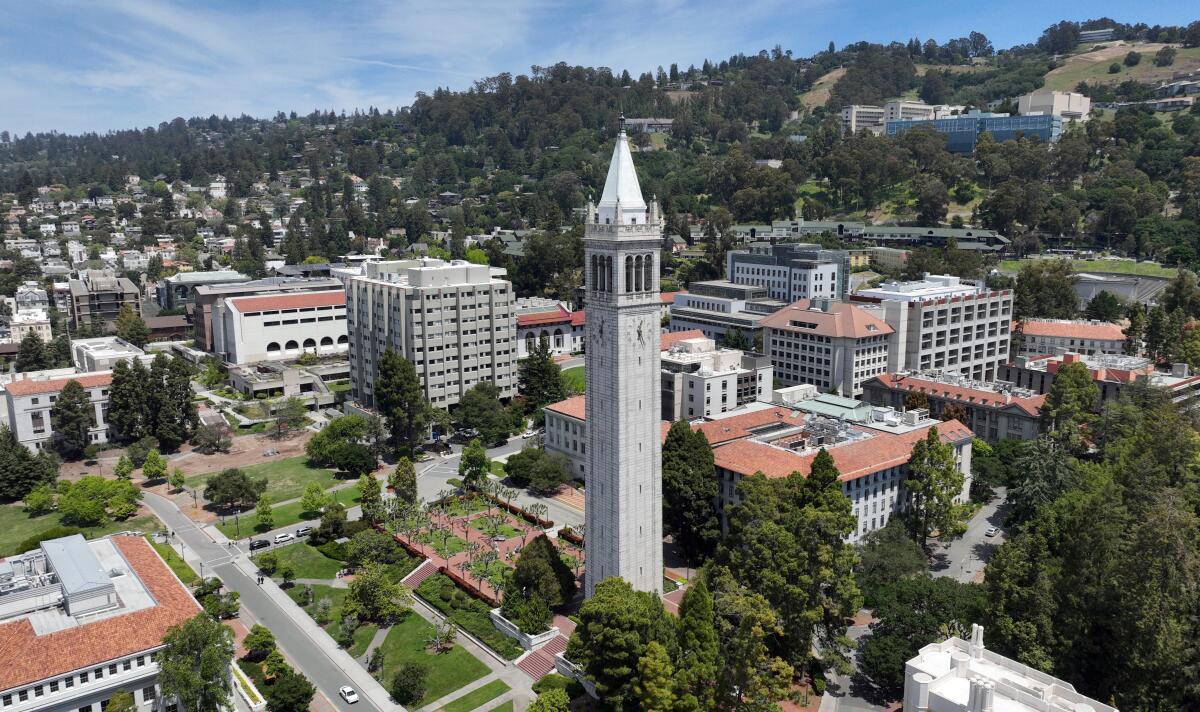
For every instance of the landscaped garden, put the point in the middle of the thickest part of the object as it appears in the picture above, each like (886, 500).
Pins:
(409, 641)
(307, 561)
(468, 613)
(324, 604)
(493, 527)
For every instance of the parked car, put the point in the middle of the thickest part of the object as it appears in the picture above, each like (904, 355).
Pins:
(348, 694)
(304, 531)
(256, 544)
(280, 538)
(992, 531)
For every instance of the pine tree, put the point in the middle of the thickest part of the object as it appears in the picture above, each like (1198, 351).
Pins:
(933, 482)
(73, 416)
(1136, 331)
(699, 662)
(404, 481)
(127, 400)
(539, 378)
(655, 687)
(130, 326)
(1156, 332)
(400, 400)
(20, 469)
(690, 491)
(474, 465)
(32, 354)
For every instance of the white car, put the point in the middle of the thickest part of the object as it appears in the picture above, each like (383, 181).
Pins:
(348, 694)
(992, 531)
(280, 538)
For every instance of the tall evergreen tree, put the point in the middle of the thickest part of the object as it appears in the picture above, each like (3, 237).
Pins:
(130, 326)
(655, 688)
(690, 491)
(399, 399)
(539, 378)
(73, 417)
(1073, 398)
(699, 662)
(32, 356)
(127, 400)
(20, 469)
(194, 665)
(933, 483)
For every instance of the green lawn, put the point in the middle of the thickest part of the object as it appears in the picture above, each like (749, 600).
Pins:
(1141, 269)
(448, 671)
(449, 548)
(181, 568)
(308, 562)
(245, 525)
(16, 526)
(504, 528)
(475, 698)
(362, 635)
(506, 707)
(285, 478)
(463, 506)
(574, 379)
(495, 572)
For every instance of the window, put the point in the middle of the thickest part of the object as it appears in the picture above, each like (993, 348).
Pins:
(148, 693)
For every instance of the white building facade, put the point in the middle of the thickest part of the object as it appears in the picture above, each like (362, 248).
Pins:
(622, 243)
(700, 380)
(29, 401)
(834, 346)
(283, 326)
(455, 321)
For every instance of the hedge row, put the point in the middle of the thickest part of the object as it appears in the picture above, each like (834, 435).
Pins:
(467, 613)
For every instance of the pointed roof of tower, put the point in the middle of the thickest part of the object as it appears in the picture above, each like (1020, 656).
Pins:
(621, 185)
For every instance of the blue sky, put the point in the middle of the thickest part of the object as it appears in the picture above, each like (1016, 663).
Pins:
(88, 65)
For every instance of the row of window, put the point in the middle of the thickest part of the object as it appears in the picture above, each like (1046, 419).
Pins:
(66, 683)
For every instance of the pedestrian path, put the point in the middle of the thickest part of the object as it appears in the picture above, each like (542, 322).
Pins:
(465, 689)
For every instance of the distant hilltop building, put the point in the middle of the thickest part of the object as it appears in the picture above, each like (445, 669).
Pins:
(963, 131)
(650, 125)
(1072, 106)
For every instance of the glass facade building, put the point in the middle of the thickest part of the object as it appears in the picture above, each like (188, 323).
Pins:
(962, 132)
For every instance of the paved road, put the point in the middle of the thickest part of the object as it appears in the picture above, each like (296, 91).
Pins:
(319, 659)
(966, 556)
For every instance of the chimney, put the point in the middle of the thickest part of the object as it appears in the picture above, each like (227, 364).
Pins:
(976, 641)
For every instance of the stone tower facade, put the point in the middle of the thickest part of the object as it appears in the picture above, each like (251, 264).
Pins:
(622, 239)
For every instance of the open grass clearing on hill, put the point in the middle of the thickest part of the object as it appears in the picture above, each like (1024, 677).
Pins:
(1139, 269)
(1092, 66)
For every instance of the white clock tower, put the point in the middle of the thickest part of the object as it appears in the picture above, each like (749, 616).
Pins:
(622, 239)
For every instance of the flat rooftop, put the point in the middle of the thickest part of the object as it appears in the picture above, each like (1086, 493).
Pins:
(933, 286)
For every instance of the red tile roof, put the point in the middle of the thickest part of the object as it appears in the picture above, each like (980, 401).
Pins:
(669, 339)
(35, 387)
(967, 396)
(578, 317)
(842, 320)
(558, 316)
(574, 407)
(669, 297)
(1095, 331)
(743, 426)
(853, 459)
(26, 657)
(332, 298)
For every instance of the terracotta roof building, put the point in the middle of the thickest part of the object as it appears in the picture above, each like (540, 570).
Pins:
(832, 345)
(1112, 374)
(80, 619)
(1052, 336)
(28, 402)
(994, 411)
(280, 326)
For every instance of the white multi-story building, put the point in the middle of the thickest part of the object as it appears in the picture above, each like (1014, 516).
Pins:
(835, 346)
(455, 321)
(700, 380)
(30, 321)
(103, 352)
(279, 326)
(549, 320)
(80, 620)
(943, 323)
(857, 117)
(718, 307)
(1072, 106)
(963, 676)
(566, 433)
(622, 240)
(791, 271)
(1047, 337)
(28, 402)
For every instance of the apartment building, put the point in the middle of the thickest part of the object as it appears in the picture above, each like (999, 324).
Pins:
(280, 326)
(455, 321)
(994, 410)
(834, 346)
(791, 271)
(1039, 337)
(97, 297)
(871, 457)
(944, 323)
(81, 619)
(957, 675)
(718, 306)
(700, 380)
(26, 322)
(28, 402)
(1072, 106)
(205, 297)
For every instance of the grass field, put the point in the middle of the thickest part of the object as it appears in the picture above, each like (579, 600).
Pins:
(1092, 66)
(574, 379)
(1140, 269)
(475, 698)
(284, 514)
(504, 528)
(308, 562)
(448, 671)
(506, 707)
(285, 478)
(362, 635)
(16, 526)
(819, 93)
(185, 573)
(446, 549)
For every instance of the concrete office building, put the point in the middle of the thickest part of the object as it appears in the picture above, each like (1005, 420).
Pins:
(81, 619)
(857, 117)
(280, 326)
(104, 352)
(995, 410)
(834, 346)
(455, 321)
(791, 271)
(963, 676)
(1039, 337)
(28, 402)
(179, 290)
(566, 433)
(719, 306)
(97, 297)
(943, 323)
(962, 132)
(700, 380)
(1072, 106)
(205, 297)
(623, 513)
